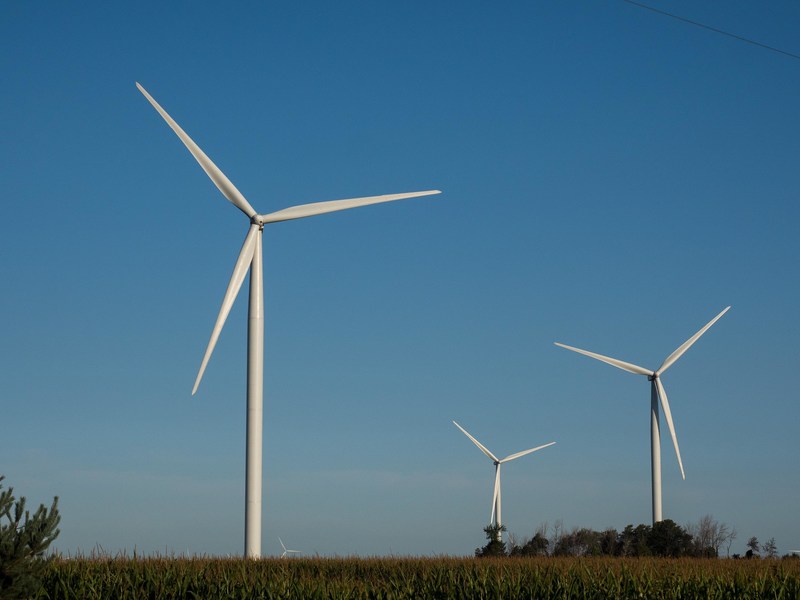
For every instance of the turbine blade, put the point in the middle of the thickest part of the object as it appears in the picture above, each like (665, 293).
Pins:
(319, 208)
(237, 278)
(620, 364)
(662, 394)
(483, 448)
(688, 344)
(218, 177)
(496, 491)
(524, 452)
(282, 545)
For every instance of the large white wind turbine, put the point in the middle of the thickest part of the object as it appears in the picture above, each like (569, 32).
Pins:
(657, 392)
(250, 256)
(496, 515)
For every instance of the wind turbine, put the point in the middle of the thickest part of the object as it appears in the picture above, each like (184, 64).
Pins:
(250, 256)
(287, 551)
(496, 514)
(657, 392)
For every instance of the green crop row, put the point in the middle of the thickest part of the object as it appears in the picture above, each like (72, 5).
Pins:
(396, 578)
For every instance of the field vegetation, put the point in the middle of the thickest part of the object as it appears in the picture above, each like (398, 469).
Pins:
(662, 561)
(395, 578)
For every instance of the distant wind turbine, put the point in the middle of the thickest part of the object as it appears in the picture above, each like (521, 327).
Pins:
(250, 256)
(496, 515)
(657, 392)
(286, 551)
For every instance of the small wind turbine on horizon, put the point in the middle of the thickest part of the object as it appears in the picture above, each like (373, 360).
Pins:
(496, 515)
(250, 256)
(286, 551)
(657, 392)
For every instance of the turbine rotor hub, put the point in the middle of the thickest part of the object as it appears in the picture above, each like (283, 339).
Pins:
(257, 220)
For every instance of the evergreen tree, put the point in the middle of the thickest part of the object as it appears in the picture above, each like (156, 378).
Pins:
(634, 541)
(667, 538)
(495, 546)
(537, 546)
(23, 541)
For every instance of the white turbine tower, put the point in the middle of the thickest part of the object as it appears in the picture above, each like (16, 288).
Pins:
(496, 515)
(250, 256)
(657, 392)
(286, 551)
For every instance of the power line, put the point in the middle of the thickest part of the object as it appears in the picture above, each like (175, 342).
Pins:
(714, 29)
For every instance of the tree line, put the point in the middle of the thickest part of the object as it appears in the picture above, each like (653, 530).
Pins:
(707, 538)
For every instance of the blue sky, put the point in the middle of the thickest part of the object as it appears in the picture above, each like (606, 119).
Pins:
(612, 179)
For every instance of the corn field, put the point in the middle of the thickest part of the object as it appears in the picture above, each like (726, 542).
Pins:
(396, 578)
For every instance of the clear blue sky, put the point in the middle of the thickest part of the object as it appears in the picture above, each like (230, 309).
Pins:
(612, 179)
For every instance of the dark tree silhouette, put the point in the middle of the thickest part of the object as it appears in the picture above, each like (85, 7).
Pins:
(495, 546)
(667, 538)
(753, 546)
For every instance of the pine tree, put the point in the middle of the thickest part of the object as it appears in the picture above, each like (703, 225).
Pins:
(23, 541)
(495, 546)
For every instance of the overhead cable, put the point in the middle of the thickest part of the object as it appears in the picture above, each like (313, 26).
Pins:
(714, 29)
